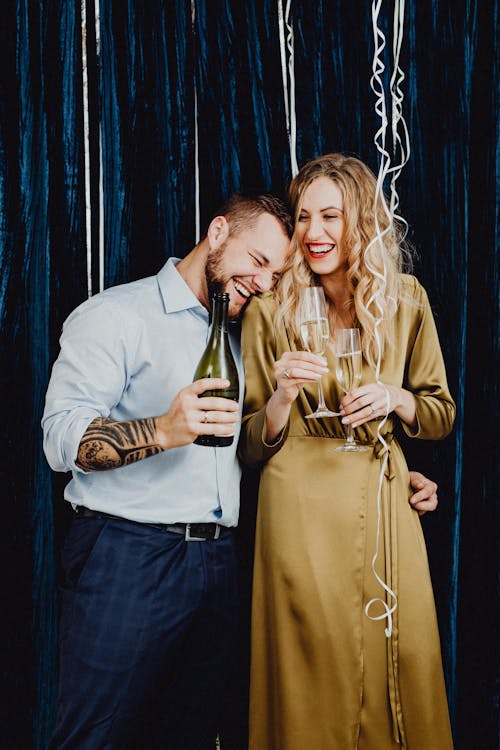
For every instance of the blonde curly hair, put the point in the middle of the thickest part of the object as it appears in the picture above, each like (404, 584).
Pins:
(365, 255)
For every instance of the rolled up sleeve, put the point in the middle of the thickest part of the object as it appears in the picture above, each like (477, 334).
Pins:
(87, 380)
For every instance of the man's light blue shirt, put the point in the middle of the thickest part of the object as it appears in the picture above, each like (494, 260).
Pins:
(125, 354)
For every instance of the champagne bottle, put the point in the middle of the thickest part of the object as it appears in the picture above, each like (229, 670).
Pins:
(217, 361)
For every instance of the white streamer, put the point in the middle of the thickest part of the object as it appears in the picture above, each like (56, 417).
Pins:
(401, 148)
(101, 190)
(197, 229)
(284, 76)
(86, 146)
(288, 72)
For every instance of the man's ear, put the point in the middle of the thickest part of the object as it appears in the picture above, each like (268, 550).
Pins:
(218, 232)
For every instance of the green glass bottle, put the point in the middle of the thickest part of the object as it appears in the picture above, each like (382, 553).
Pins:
(217, 361)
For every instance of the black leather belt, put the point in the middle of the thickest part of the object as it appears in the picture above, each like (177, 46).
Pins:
(192, 532)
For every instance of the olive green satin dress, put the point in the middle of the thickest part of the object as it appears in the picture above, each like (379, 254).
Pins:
(323, 675)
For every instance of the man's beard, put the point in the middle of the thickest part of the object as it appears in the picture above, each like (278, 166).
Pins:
(216, 282)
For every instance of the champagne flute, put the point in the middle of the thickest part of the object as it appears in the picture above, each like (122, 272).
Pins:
(315, 332)
(348, 373)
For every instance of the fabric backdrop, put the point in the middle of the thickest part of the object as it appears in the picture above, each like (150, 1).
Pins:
(142, 81)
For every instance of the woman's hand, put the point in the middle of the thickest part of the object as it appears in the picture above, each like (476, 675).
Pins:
(292, 370)
(374, 401)
(295, 369)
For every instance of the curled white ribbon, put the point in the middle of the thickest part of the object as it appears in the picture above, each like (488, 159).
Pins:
(287, 72)
(401, 149)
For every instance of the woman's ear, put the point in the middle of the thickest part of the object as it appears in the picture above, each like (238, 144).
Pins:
(218, 232)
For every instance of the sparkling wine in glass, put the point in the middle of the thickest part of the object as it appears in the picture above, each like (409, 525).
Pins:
(349, 360)
(315, 332)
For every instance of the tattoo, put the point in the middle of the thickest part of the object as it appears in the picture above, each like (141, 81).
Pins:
(108, 444)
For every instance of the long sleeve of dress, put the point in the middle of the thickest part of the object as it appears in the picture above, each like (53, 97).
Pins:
(259, 345)
(425, 375)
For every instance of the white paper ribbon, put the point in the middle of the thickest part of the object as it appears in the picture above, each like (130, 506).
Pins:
(196, 142)
(86, 146)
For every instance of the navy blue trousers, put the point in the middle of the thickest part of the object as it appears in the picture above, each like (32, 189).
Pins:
(147, 631)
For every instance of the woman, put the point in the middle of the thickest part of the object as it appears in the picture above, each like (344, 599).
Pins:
(325, 674)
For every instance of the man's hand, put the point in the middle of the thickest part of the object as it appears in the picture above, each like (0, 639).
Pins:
(109, 444)
(425, 493)
(190, 416)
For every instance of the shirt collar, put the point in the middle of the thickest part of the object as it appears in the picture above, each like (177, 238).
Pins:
(175, 293)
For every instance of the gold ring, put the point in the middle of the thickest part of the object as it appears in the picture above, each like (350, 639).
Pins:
(286, 374)
(205, 418)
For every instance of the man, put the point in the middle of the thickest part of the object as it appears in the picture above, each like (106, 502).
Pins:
(150, 597)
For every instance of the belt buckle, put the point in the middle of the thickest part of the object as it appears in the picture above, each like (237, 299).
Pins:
(189, 538)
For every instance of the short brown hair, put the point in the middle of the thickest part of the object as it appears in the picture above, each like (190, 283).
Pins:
(242, 211)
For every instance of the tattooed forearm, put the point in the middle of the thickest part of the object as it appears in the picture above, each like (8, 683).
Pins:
(108, 444)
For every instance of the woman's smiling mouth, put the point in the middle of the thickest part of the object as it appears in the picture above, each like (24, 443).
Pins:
(319, 250)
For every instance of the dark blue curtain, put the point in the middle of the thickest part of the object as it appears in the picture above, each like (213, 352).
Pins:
(42, 279)
(142, 95)
(147, 131)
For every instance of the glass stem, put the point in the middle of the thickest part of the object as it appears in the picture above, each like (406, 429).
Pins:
(321, 397)
(349, 435)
